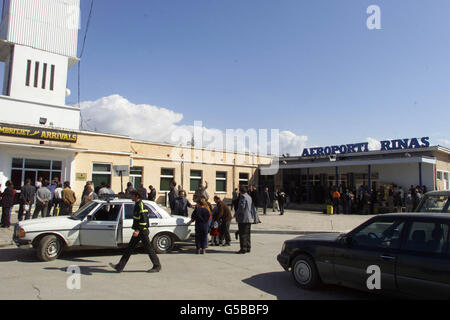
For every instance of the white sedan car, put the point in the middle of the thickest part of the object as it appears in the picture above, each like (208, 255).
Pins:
(105, 224)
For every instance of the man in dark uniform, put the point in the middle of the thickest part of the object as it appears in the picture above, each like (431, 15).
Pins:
(140, 227)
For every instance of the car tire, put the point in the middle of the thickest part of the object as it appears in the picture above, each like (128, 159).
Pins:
(49, 248)
(305, 272)
(163, 243)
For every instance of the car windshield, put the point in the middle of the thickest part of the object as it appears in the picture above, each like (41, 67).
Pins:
(435, 204)
(84, 210)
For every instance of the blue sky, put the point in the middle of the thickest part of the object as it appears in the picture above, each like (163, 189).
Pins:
(308, 66)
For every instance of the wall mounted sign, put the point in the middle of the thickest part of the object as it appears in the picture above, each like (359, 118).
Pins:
(12, 130)
(81, 176)
(398, 144)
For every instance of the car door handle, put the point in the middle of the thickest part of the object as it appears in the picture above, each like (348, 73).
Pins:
(387, 257)
(154, 224)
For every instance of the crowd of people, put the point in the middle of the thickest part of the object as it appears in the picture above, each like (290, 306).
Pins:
(391, 198)
(48, 198)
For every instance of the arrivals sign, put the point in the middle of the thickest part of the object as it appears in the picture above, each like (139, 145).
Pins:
(398, 144)
(37, 133)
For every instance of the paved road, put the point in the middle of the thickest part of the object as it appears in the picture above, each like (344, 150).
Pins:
(220, 274)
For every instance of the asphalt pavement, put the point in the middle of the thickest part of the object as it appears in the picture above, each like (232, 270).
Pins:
(219, 274)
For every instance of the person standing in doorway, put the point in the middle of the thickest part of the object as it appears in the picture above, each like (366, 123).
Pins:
(43, 197)
(68, 199)
(27, 195)
(58, 199)
(141, 232)
(244, 219)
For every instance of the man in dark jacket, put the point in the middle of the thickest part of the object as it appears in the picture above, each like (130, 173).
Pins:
(244, 218)
(142, 191)
(224, 218)
(7, 204)
(152, 193)
(27, 195)
(173, 194)
(182, 204)
(141, 227)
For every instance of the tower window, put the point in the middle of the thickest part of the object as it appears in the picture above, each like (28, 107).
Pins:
(36, 74)
(52, 77)
(27, 81)
(44, 76)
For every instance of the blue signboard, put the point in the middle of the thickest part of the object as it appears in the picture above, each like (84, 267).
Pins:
(398, 144)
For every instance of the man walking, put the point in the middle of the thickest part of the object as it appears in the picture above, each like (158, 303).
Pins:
(224, 218)
(141, 233)
(43, 197)
(244, 219)
(27, 195)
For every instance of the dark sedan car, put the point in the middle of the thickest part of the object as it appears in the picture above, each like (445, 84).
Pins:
(409, 253)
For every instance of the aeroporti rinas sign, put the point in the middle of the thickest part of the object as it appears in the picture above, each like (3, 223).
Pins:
(398, 144)
(37, 133)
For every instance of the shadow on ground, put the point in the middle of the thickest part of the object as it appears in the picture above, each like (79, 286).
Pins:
(282, 285)
(84, 255)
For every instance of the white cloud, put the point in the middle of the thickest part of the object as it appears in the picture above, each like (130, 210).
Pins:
(374, 144)
(116, 115)
(444, 142)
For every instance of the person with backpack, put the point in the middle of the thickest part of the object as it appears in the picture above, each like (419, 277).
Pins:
(141, 233)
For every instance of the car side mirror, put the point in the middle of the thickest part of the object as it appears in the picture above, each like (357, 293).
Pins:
(348, 240)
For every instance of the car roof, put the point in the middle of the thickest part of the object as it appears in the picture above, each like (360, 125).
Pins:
(438, 193)
(445, 216)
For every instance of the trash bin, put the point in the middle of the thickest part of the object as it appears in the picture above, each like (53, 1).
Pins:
(330, 209)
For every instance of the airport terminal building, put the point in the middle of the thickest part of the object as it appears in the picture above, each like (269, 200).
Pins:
(401, 162)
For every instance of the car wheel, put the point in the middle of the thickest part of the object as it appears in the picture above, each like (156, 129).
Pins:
(305, 272)
(163, 243)
(49, 248)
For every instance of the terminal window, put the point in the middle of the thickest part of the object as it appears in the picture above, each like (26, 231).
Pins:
(167, 176)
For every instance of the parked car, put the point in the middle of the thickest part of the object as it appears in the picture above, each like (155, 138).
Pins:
(100, 224)
(435, 202)
(411, 251)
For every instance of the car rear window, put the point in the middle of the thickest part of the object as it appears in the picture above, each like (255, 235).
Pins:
(430, 237)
